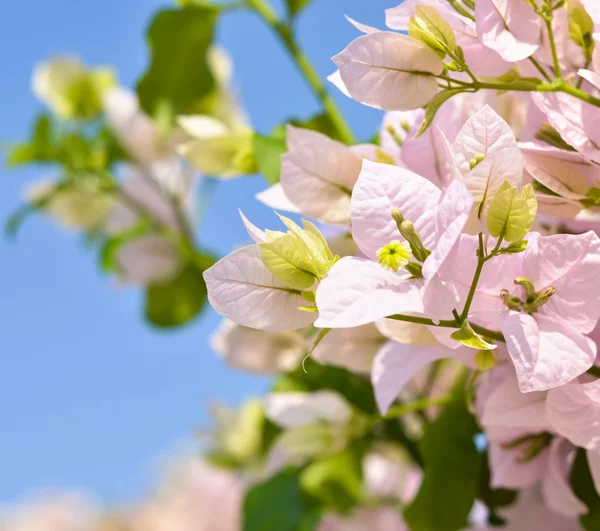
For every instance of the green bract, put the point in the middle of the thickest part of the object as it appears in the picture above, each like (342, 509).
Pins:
(299, 257)
(470, 339)
(429, 27)
(511, 213)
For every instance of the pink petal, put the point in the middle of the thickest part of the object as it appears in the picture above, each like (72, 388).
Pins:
(243, 290)
(395, 364)
(574, 411)
(275, 198)
(318, 174)
(381, 188)
(546, 353)
(556, 489)
(510, 27)
(255, 233)
(376, 70)
(509, 473)
(569, 263)
(357, 292)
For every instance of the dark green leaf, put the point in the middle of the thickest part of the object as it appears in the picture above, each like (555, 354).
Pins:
(179, 74)
(267, 153)
(295, 6)
(494, 499)
(278, 504)
(356, 389)
(434, 105)
(452, 467)
(179, 300)
(584, 489)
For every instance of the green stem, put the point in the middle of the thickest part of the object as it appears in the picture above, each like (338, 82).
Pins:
(286, 36)
(491, 334)
(540, 69)
(417, 405)
(481, 259)
(557, 71)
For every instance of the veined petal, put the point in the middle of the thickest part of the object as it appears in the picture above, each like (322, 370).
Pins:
(568, 263)
(378, 70)
(357, 292)
(510, 27)
(318, 174)
(381, 188)
(243, 290)
(546, 353)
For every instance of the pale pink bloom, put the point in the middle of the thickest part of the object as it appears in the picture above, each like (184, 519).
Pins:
(275, 198)
(590, 76)
(258, 351)
(135, 130)
(154, 190)
(359, 291)
(486, 136)
(376, 69)
(52, 512)
(350, 348)
(243, 290)
(482, 60)
(383, 519)
(577, 122)
(197, 497)
(397, 363)
(593, 9)
(549, 348)
(510, 27)
(566, 173)
(296, 409)
(509, 415)
(318, 174)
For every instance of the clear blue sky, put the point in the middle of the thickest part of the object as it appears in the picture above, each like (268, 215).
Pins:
(90, 396)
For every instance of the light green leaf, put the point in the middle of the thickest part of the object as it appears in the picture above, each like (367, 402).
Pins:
(434, 105)
(179, 73)
(312, 229)
(511, 214)
(179, 300)
(267, 153)
(452, 466)
(428, 26)
(470, 339)
(287, 259)
(581, 28)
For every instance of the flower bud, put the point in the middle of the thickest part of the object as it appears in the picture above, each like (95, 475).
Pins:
(407, 229)
(394, 255)
(476, 160)
(540, 299)
(415, 269)
(527, 286)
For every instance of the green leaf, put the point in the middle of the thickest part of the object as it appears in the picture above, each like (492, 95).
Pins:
(295, 6)
(452, 468)
(470, 339)
(434, 105)
(267, 153)
(277, 504)
(581, 28)
(336, 481)
(179, 74)
(179, 300)
(511, 213)
(428, 26)
(287, 258)
(515, 247)
(584, 489)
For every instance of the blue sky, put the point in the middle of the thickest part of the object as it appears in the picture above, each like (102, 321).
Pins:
(90, 396)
